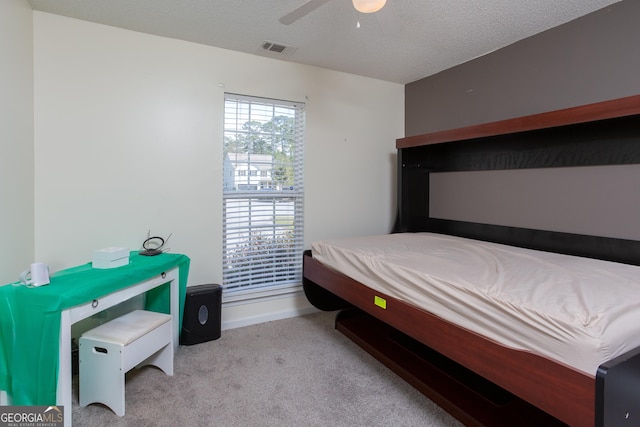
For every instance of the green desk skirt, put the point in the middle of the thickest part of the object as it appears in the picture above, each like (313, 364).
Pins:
(30, 319)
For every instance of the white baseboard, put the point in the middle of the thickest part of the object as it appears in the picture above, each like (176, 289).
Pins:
(236, 314)
(254, 320)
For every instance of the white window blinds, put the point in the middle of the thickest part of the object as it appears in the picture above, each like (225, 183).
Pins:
(263, 193)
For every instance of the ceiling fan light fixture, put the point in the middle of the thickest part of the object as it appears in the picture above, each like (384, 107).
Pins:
(368, 6)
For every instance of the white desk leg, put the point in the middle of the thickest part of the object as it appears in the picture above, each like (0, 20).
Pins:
(175, 306)
(63, 391)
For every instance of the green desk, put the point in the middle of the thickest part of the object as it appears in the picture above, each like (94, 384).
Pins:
(35, 323)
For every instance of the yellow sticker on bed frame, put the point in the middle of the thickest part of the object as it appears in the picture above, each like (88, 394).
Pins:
(380, 302)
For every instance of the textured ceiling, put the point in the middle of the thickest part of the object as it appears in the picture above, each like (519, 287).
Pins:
(406, 41)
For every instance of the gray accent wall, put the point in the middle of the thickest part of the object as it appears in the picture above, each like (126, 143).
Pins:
(592, 200)
(593, 58)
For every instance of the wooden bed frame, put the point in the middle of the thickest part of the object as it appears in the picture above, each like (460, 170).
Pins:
(481, 382)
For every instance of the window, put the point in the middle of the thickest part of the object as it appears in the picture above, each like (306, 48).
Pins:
(263, 219)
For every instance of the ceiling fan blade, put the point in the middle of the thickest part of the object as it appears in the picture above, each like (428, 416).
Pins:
(301, 11)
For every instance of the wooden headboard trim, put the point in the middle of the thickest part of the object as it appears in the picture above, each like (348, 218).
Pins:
(621, 107)
(606, 133)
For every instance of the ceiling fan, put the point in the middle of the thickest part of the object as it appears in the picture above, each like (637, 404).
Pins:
(363, 6)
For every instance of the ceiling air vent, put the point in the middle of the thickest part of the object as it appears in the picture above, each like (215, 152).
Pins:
(277, 49)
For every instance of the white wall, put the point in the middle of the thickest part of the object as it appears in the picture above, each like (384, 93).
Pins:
(128, 137)
(16, 139)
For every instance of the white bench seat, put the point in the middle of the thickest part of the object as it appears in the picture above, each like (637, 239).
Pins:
(109, 351)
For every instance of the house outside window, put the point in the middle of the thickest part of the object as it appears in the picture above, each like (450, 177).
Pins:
(263, 194)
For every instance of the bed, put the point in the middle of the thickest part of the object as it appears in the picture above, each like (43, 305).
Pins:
(576, 366)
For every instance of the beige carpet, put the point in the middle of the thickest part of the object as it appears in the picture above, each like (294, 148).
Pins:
(292, 372)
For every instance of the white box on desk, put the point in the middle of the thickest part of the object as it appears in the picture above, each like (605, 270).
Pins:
(110, 257)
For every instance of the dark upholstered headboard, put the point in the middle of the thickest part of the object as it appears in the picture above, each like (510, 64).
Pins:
(602, 134)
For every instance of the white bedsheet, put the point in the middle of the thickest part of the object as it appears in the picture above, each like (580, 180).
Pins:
(577, 311)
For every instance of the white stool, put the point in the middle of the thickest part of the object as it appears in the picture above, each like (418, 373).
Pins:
(110, 350)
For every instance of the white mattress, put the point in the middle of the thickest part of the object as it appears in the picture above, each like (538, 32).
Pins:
(577, 311)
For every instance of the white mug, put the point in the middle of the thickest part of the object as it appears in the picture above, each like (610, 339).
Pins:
(37, 275)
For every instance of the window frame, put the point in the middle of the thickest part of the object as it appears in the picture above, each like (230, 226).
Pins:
(245, 191)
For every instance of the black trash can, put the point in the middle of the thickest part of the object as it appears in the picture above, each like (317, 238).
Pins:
(202, 314)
